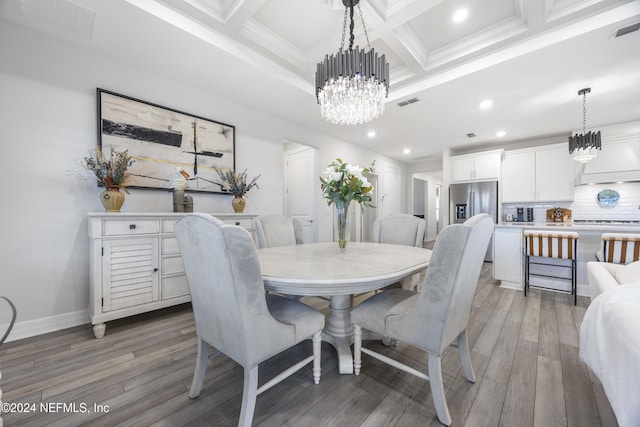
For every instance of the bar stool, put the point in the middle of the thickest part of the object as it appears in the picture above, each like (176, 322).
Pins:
(619, 248)
(546, 244)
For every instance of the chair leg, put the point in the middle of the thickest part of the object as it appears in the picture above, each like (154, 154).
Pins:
(437, 390)
(249, 394)
(357, 349)
(317, 356)
(202, 360)
(465, 356)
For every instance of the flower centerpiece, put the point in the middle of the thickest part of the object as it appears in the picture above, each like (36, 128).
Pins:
(236, 184)
(110, 173)
(343, 183)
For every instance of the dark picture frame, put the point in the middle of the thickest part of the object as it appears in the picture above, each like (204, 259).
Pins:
(162, 140)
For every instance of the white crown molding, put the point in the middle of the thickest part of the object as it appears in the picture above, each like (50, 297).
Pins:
(266, 38)
(412, 44)
(499, 32)
(556, 9)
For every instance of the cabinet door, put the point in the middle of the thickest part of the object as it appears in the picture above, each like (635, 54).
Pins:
(518, 177)
(487, 167)
(507, 260)
(461, 169)
(554, 175)
(130, 272)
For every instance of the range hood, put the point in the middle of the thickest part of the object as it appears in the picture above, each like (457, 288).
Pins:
(618, 161)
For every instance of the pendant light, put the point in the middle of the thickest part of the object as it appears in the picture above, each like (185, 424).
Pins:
(584, 146)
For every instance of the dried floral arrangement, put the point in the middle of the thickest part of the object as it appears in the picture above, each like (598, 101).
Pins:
(234, 182)
(111, 172)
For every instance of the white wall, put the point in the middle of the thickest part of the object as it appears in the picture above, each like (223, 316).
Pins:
(48, 111)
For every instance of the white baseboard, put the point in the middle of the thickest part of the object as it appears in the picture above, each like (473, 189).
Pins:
(30, 328)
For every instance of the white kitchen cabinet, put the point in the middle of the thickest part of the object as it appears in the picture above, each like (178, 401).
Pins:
(475, 167)
(507, 259)
(135, 264)
(542, 174)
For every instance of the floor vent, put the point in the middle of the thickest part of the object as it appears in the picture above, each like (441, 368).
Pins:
(408, 101)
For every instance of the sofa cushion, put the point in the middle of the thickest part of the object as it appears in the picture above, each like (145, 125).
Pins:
(628, 273)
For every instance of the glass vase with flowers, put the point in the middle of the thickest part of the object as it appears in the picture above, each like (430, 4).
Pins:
(342, 184)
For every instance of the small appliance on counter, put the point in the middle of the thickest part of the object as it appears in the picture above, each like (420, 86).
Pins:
(519, 214)
(559, 215)
(529, 214)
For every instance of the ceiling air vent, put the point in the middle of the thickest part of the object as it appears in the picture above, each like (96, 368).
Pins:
(471, 135)
(626, 30)
(408, 101)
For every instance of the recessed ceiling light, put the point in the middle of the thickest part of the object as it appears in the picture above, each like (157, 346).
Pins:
(371, 133)
(500, 133)
(460, 15)
(487, 103)
(406, 151)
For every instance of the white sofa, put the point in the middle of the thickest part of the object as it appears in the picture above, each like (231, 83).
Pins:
(603, 276)
(609, 338)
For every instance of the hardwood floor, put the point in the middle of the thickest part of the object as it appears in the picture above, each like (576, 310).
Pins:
(524, 351)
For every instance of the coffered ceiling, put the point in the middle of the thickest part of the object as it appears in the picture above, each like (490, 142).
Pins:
(530, 57)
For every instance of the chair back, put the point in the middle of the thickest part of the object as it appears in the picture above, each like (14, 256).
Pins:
(399, 229)
(277, 230)
(227, 292)
(443, 308)
(620, 248)
(550, 244)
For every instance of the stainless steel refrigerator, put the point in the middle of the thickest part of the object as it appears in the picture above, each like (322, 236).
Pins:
(469, 199)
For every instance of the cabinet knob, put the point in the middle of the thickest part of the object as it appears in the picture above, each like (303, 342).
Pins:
(237, 222)
(155, 269)
(132, 226)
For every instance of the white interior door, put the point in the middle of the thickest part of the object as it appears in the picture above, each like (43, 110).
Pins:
(390, 198)
(301, 183)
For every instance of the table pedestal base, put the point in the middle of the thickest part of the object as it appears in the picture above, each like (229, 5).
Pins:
(338, 331)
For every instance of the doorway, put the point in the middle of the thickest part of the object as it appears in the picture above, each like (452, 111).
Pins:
(301, 186)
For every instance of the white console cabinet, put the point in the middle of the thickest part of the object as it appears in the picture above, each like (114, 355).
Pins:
(135, 263)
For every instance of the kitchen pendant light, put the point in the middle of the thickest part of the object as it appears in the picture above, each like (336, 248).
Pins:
(584, 146)
(351, 85)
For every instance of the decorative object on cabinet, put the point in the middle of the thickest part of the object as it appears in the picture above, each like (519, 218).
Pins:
(361, 75)
(608, 198)
(584, 146)
(181, 203)
(236, 184)
(111, 173)
(161, 139)
(342, 184)
(561, 246)
(135, 263)
(559, 215)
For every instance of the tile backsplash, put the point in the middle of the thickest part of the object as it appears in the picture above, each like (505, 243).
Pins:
(585, 204)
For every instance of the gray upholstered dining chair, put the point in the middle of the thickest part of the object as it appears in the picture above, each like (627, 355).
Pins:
(232, 312)
(277, 230)
(440, 313)
(400, 229)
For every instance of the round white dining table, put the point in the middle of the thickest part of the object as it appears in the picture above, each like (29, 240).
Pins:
(321, 269)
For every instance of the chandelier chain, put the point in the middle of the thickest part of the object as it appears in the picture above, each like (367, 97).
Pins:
(351, 37)
(584, 112)
(344, 27)
(364, 27)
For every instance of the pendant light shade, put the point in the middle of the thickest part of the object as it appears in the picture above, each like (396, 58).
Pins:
(584, 146)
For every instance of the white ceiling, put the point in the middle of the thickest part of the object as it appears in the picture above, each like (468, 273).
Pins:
(529, 56)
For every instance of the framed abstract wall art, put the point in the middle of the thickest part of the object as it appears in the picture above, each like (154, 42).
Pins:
(162, 141)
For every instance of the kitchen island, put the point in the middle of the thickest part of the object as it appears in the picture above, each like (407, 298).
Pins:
(508, 264)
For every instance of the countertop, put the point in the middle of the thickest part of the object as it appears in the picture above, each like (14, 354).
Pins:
(622, 227)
